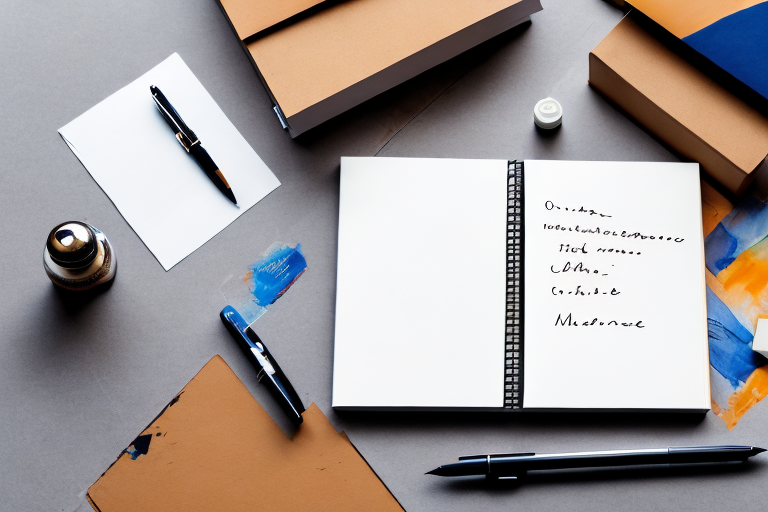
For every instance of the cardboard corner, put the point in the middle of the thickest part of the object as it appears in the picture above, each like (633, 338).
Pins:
(680, 105)
(91, 503)
(219, 433)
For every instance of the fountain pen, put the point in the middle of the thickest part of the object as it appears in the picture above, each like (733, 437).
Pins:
(515, 465)
(191, 143)
(270, 373)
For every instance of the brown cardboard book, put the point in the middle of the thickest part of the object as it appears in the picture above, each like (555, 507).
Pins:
(319, 65)
(249, 17)
(215, 448)
(681, 105)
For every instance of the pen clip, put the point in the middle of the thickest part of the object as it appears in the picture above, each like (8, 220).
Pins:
(183, 134)
(266, 366)
(180, 138)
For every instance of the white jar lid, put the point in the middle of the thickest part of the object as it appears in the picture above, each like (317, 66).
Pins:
(548, 114)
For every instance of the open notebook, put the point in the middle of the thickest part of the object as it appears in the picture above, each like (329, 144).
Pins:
(488, 284)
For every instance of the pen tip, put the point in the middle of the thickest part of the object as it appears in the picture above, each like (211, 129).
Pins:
(758, 450)
(433, 472)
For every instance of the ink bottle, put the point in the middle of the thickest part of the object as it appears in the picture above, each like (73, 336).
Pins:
(78, 256)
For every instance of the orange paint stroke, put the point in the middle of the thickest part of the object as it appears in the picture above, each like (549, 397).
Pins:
(754, 390)
(747, 270)
(745, 285)
(247, 277)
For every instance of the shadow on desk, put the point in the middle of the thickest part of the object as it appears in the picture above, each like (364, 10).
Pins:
(71, 304)
(549, 420)
(71, 324)
(391, 111)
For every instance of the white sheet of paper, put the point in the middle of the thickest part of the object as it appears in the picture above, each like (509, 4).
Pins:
(159, 189)
(663, 364)
(421, 283)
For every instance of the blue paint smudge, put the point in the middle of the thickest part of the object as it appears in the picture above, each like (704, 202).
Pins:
(730, 343)
(719, 249)
(738, 44)
(275, 273)
(746, 225)
(139, 446)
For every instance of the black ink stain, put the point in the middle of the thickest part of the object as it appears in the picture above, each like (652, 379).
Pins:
(139, 446)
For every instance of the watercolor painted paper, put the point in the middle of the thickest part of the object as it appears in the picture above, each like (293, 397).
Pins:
(731, 34)
(741, 229)
(128, 149)
(730, 350)
(737, 298)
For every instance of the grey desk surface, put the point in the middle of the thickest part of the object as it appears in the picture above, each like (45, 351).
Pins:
(77, 383)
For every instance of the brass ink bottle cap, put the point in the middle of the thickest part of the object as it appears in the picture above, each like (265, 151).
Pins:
(78, 256)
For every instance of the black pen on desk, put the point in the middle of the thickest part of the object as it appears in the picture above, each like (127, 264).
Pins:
(270, 373)
(191, 143)
(515, 465)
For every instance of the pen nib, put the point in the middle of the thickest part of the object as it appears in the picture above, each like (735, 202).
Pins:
(231, 196)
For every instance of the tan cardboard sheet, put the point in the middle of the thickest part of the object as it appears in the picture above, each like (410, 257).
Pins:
(215, 448)
(321, 55)
(680, 104)
(252, 16)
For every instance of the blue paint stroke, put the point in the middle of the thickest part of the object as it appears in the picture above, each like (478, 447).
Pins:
(738, 44)
(746, 225)
(730, 343)
(719, 249)
(275, 273)
(139, 446)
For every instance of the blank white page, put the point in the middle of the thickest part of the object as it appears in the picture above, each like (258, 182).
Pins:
(421, 285)
(615, 313)
(156, 185)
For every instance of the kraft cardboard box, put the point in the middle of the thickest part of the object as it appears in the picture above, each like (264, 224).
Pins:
(681, 105)
(327, 58)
